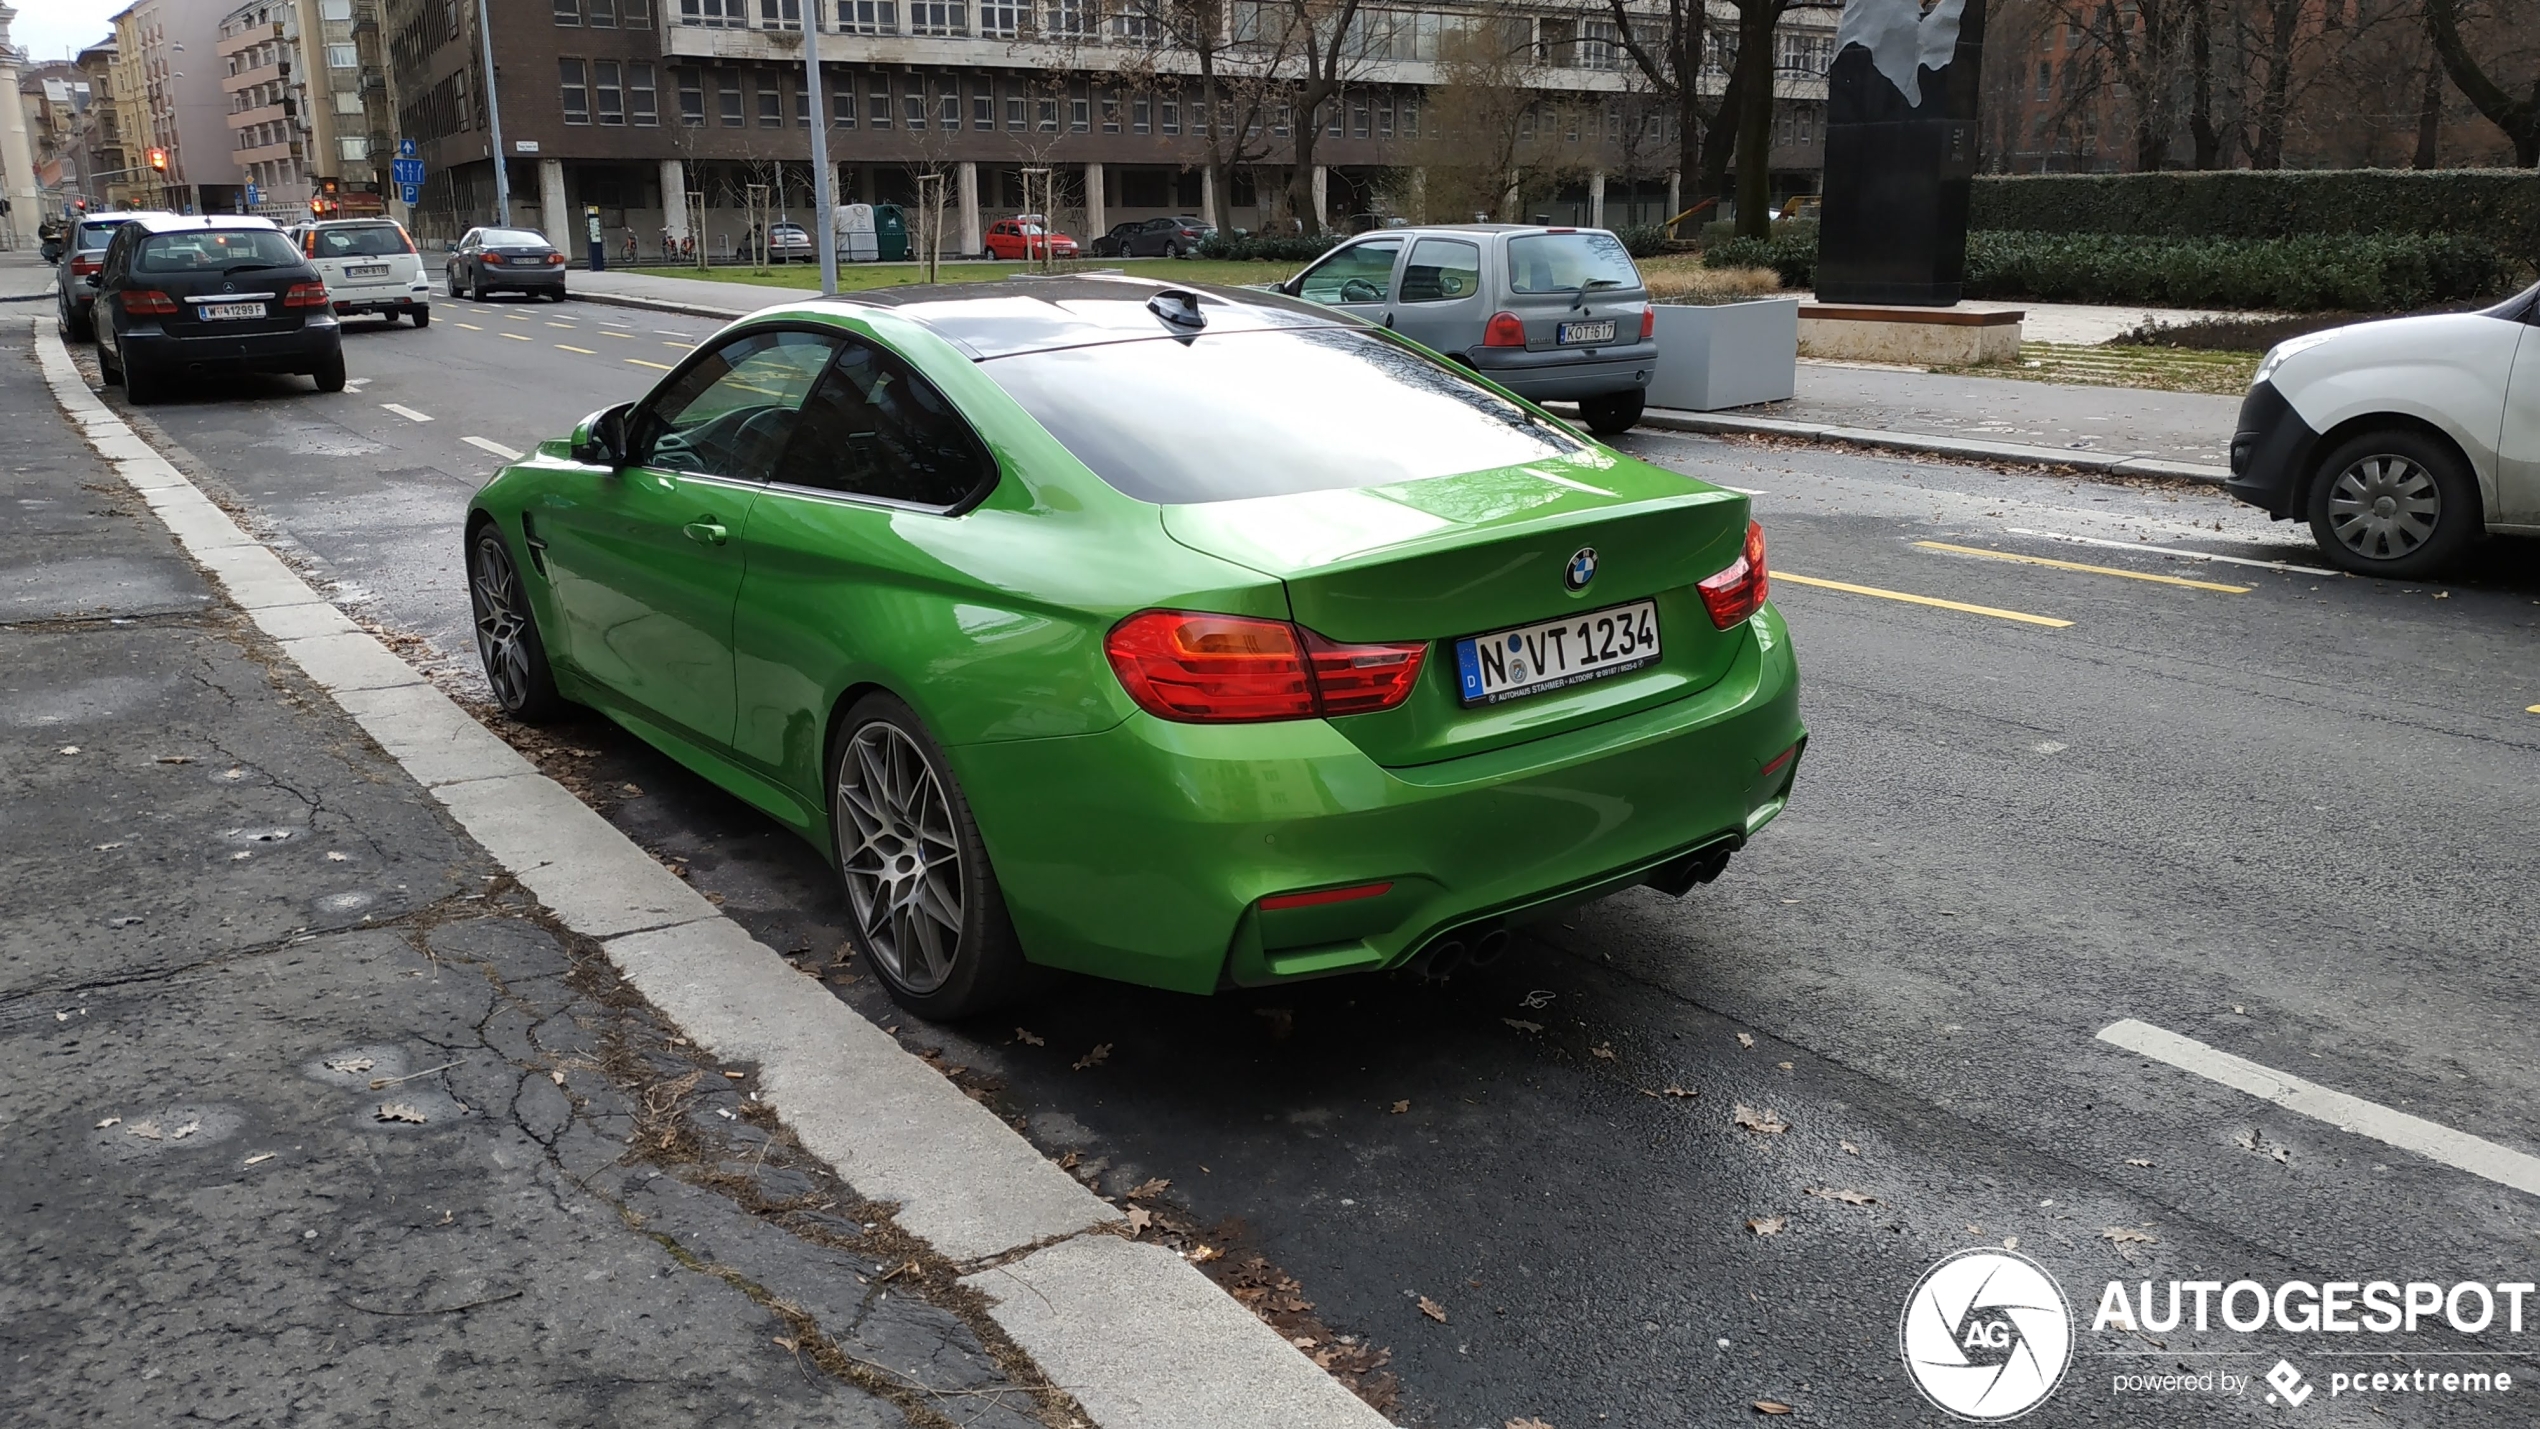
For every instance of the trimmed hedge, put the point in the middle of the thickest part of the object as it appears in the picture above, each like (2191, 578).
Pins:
(1646, 240)
(1790, 252)
(2345, 272)
(1268, 248)
(2500, 206)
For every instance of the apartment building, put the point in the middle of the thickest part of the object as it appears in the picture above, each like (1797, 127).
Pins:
(629, 105)
(19, 190)
(308, 107)
(166, 82)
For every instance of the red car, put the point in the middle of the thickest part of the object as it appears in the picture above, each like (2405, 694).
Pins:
(1025, 237)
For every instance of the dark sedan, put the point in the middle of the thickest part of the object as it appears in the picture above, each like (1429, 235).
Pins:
(1168, 237)
(75, 282)
(494, 260)
(222, 294)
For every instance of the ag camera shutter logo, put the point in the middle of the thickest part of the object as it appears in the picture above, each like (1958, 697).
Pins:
(1986, 1335)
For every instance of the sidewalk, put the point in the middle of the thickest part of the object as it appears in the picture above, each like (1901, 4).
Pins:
(25, 277)
(311, 1115)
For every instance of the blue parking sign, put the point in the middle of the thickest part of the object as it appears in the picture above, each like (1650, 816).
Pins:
(410, 194)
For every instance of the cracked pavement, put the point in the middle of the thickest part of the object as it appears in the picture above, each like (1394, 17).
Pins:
(309, 1118)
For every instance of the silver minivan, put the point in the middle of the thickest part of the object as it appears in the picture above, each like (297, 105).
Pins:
(1553, 314)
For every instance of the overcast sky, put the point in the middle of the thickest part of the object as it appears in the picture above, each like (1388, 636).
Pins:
(58, 29)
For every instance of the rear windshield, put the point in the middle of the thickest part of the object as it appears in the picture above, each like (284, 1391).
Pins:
(513, 238)
(1569, 262)
(215, 250)
(369, 240)
(1242, 414)
(98, 235)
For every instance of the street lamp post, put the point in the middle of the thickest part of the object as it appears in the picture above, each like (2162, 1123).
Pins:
(824, 218)
(494, 123)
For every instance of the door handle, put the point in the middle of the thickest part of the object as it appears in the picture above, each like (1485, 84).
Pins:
(710, 533)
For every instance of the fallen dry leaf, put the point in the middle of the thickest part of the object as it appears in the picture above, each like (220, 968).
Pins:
(399, 1111)
(1522, 1024)
(1771, 1406)
(1527, 1424)
(2138, 1161)
(108, 848)
(737, 1076)
(556, 1077)
(1068, 1161)
(1787, 1066)
(2010, 1242)
(1848, 1148)
(1847, 1196)
(1094, 1058)
(2124, 1235)
(1746, 1039)
(1767, 1123)
(1152, 1186)
(780, 1342)
(1203, 1254)
(1768, 1225)
(1139, 1219)
(261, 1158)
(1402, 1106)
(110, 1121)
(1667, 1091)
(185, 1131)
(69, 749)
(349, 1065)
(1029, 1039)
(174, 759)
(1604, 1050)
(146, 1130)
(1433, 1309)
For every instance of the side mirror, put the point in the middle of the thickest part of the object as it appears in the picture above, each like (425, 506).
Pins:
(450, 247)
(600, 440)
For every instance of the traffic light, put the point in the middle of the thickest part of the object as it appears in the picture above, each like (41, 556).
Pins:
(159, 160)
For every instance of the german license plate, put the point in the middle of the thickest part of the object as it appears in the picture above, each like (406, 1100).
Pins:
(367, 270)
(1586, 332)
(230, 312)
(1530, 659)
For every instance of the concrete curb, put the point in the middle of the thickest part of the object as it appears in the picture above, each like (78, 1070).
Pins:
(1138, 1335)
(658, 305)
(1957, 447)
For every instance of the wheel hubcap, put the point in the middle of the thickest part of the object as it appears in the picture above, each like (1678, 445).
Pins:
(901, 859)
(2384, 507)
(501, 623)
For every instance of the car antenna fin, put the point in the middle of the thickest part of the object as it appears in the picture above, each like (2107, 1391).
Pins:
(1178, 307)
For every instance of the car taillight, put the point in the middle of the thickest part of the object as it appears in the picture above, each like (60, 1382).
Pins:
(555, 260)
(1505, 330)
(139, 301)
(1648, 323)
(82, 267)
(1738, 592)
(494, 258)
(1197, 668)
(305, 295)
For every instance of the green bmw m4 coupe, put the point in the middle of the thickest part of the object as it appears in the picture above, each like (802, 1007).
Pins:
(1195, 638)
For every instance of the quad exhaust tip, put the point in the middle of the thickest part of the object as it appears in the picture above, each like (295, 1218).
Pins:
(1472, 946)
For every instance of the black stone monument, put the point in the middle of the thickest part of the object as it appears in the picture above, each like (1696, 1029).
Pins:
(1900, 152)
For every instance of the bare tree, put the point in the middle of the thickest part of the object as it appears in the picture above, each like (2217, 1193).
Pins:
(1666, 48)
(1490, 142)
(1330, 51)
(2514, 19)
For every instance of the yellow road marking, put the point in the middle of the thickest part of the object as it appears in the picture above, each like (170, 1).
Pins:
(586, 352)
(2535, 709)
(516, 337)
(630, 337)
(682, 346)
(661, 366)
(563, 325)
(2046, 620)
(514, 317)
(2027, 560)
(471, 327)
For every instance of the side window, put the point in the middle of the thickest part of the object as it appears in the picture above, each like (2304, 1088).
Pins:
(1359, 274)
(732, 413)
(876, 428)
(1442, 270)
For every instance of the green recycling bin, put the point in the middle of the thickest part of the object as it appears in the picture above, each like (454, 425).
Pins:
(890, 233)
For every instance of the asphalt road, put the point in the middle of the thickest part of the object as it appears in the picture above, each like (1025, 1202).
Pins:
(2292, 820)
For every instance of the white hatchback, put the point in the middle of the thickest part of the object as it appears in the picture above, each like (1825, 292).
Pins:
(369, 266)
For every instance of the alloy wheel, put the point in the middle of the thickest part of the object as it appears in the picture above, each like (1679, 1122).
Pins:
(502, 624)
(901, 855)
(2384, 507)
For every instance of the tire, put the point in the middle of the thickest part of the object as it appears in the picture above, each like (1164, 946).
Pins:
(1610, 414)
(943, 946)
(108, 370)
(329, 373)
(557, 294)
(988, 254)
(1173, 250)
(476, 286)
(507, 639)
(141, 386)
(2396, 503)
(76, 328)
(450, 280)
(423, 316)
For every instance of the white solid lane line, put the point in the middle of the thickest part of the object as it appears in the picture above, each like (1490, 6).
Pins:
(497, 448)
(2458, 1149)
(409, 413)
(2294, 566)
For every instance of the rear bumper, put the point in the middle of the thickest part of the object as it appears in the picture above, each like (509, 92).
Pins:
(300, 350)
(1172, 834)
(2272, 449)
(1559, 376)
(522, 280)
(381, 298)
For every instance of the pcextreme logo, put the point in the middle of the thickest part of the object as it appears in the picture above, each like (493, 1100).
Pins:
(1986, 1335)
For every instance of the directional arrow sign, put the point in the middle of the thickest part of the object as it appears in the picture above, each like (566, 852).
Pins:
(407, 172)
(405, 148)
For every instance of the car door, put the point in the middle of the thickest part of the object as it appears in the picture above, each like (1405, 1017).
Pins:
(642, 559)
(1438, 298)
(2518, 445)
(457, 266)
(1357, 279)
(850, 553)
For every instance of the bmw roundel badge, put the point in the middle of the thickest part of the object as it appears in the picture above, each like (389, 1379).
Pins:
(1582, 569)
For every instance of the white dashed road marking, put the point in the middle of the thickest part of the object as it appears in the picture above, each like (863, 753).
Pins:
(2295, 566)
(409, 413)
(497, 448)
(2457, 1149)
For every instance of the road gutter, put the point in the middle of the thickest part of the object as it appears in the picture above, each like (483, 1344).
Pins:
(1139, 1336)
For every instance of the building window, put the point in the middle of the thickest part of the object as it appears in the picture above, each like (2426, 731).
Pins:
(577, 92)
(1358, 119)
(568, 12)
(1384, 117)
(937, 17)
(728, 99)
(1049, 115)
(914, 104)
(2045, 80)
(1079, 115)
(713, 14)
(603, 14)
(771, 103)
(1014, 113)
(1599, 44)
(780, 14)
(642, 105)
(1110, 112)
(842, 103)
(1131, 22)
(948, 105)
(1281, 127)
(983, 104)
(353, 147)
(878, 105)
(636, 13)
(343, 57)
(1139, 112)
(999, 19)
(692, 98)
(608, 94)
(1169, 115)
(869, 17)
(1069, 20)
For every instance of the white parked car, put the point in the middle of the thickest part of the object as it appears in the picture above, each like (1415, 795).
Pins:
(2400, 441)
(369, 266)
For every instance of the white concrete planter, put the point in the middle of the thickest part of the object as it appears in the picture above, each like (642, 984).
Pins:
(1726, 354)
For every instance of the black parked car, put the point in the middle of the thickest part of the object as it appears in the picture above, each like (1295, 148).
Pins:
(1168, 237)
(75, 282)
(489, 260)
(177, 297)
